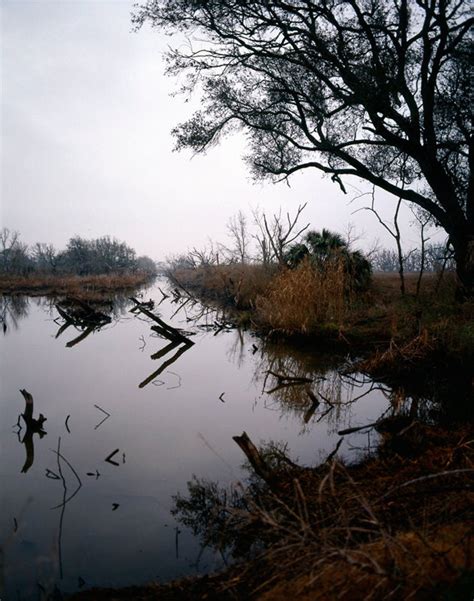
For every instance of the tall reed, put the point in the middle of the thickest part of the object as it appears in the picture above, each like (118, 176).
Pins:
(298, 300)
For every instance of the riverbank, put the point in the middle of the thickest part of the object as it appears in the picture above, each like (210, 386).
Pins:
(398, 524)
(425, 326)
(86, 287)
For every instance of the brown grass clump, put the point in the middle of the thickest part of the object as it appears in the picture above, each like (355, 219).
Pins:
(299, 299)
(440, 557)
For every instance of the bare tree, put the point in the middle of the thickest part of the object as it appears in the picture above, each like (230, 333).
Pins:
(275, 234)
(208, 255)
(423, 220)
(45, 257)
(9, 240)
(394, 232)
(237, 231)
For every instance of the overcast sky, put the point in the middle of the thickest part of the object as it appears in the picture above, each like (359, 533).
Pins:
(86, 146)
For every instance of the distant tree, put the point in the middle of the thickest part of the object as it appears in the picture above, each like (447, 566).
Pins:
(78, 256)
(8, 241)
(14, 254)
(45, 257)
(20, 261)
(237, 230)
(146, 265)
(112, 256)
(377, 89)
(101, 255)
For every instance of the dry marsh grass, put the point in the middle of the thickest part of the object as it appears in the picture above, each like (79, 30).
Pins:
(299, 299)
(307, 301)
(238, 285)
(85, 287)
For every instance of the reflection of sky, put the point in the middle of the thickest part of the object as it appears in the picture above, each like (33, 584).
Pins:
(168, 433)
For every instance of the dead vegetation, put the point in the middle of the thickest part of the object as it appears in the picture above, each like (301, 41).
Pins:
(237, 285)
(90, 287)
(319, 304)
(298, 300)
(397, 525)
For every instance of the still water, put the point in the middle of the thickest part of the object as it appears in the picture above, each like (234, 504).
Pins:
(125, 432)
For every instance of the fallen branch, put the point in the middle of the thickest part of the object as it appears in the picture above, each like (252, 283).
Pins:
(166, 330)
(255, 459)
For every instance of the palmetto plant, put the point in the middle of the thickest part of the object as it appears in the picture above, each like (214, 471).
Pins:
(325, 247)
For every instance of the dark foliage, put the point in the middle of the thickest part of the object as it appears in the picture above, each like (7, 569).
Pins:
(325, 246)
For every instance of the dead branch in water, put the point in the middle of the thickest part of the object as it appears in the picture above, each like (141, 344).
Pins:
(163, 328)
(256, 460)
(167, 363)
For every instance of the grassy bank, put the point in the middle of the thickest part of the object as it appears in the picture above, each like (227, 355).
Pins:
(89, 287)
(399, 524)
(308, 304)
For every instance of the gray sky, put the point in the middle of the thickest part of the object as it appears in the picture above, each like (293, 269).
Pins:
(86, 145)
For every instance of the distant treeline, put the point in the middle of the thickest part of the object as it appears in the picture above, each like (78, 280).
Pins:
(434, 258)
(80, 257)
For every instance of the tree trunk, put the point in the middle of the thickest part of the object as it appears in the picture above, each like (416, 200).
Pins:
(464, 256)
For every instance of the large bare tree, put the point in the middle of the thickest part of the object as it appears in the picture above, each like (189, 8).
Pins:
(377, 89)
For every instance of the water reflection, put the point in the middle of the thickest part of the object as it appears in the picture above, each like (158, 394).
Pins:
(178, 339)
(12, 310)
(33, 426)
(132, 442)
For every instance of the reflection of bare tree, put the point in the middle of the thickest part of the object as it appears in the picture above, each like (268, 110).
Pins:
(12, 309)
(312, 387)
(236, 350)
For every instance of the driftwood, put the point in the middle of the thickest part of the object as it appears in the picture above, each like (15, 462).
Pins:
(83, 317)
(33, 426)
(255, 459)
(177, 340)
(163, 328)
(82, 336)
(82, 314)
